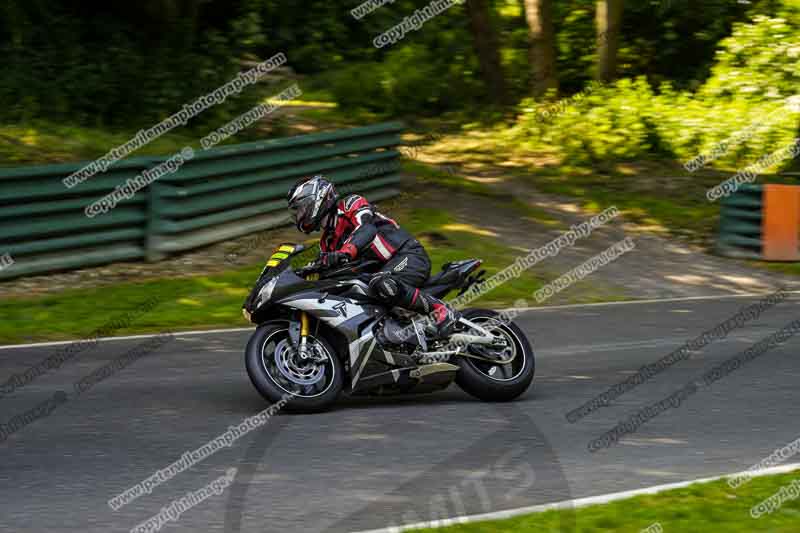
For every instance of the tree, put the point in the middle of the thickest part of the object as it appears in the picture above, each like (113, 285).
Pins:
(539, 14)
(485, 41)
(609, 17)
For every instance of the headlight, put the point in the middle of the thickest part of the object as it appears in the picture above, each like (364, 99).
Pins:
(246, 314)
(266, 291)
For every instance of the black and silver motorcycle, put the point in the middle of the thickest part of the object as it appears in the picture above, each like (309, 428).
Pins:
(318, 338)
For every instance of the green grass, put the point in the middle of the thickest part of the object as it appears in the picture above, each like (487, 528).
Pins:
(446, 240)
(41, 142)
(700, 508)
(334, 117)
(44, 142)
(212, 301)
(655, 193)
(192, 302)
(215, 300)
(676, 206)
(428, 175)
(667, 201)
(792, 269)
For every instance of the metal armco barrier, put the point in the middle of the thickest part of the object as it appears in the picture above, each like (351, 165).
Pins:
(761, 222)
(222, 193)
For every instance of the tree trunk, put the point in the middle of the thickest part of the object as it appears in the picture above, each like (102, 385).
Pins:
(485, 41)
(539, 15)
(609, 17)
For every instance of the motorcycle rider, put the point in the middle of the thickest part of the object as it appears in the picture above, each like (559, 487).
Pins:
(352, 228)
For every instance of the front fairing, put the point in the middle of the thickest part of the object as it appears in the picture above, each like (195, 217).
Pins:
(273, 284)
(276, 280)
(278, 283)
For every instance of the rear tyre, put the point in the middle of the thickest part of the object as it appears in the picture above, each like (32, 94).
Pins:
(492, 382)
(277, 372)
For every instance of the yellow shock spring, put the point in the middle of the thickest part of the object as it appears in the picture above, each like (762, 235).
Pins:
(304, 324)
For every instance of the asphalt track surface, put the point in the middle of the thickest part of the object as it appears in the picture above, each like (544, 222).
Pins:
(375, 462)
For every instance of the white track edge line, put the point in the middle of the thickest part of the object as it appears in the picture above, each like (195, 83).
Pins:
(578, 502)
(648, 301)
(129, 337)
(518, 309)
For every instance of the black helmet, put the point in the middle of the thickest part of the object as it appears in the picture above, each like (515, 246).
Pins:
(310, 200)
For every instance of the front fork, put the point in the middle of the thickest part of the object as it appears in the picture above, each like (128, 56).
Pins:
(302, 345)
(299, 331)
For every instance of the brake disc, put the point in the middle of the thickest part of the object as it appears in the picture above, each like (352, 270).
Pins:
(306, 372)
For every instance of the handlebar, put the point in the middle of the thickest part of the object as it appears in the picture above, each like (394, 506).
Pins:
(352, 267)
(309, 269)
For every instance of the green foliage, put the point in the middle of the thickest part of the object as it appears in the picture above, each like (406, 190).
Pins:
(215, 300)
(357, 86)
(129, 65)
(675, 40)
(759, 62)
(118, 65)
(604, 123)
(40, 142)
(664, 40)
(410, 79)
(745, 101)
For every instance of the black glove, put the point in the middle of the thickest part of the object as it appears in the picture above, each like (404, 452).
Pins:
(333, 259)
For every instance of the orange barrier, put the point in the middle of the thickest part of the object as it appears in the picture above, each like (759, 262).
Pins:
(781, 223)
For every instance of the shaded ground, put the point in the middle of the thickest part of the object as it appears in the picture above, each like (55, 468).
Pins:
(218, 258)
(515, 214)
(189, 298)
(523, 201)
(659, 267)
(672, 229)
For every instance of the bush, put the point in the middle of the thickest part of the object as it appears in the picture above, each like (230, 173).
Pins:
(411, 79)
(356, 86)
(602, 123)
(115, 65)
(746, 102)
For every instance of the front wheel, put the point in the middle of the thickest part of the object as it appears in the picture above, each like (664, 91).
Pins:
(277, 371)
(488, 376)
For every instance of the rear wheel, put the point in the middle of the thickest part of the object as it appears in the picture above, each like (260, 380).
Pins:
(498, 373)
(277, 371)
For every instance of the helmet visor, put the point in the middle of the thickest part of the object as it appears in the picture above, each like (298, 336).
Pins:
(302, 214)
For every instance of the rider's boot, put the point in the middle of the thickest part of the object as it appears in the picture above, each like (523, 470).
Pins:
(442, 318)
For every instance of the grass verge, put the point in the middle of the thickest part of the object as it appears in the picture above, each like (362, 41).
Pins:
(427, 175)
(657, 194)
(700, 508)
(212, 301)
(41, 142)
(792, 269)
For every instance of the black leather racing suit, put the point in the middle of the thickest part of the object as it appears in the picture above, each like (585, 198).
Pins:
(359, 230)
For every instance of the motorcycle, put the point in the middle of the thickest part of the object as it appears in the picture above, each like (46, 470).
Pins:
(318, 338)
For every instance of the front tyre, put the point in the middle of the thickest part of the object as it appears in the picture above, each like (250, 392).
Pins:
(490, 381)
(277, 372)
